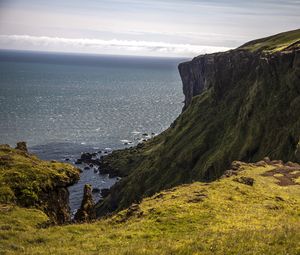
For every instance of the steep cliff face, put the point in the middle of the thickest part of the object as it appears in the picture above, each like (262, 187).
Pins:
(29, 182)
(221, 69)
(242, 104)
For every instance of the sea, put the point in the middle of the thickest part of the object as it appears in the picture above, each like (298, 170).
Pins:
(63, 105)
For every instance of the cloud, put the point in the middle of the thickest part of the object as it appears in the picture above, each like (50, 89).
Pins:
(126, 47)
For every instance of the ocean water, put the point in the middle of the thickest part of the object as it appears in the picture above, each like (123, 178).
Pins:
(64, 104)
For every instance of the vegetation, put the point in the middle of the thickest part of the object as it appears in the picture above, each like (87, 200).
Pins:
(274, 43)
(250, 110)
(222, 217)
(24, 178)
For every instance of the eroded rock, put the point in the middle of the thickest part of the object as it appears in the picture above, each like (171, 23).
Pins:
(86, 211)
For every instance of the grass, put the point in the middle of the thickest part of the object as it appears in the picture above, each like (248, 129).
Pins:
(222, 217)
(24, 177)
(274, 43)
(250, 111)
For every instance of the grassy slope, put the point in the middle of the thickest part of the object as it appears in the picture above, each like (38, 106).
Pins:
(274, 43)
(24, 176)
(256, 116)
(223, 217)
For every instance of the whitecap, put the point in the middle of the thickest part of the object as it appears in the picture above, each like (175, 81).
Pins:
(125, 141)
(135, 132)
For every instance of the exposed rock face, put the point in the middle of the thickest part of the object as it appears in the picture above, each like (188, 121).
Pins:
(219, 70)
(242, 104)
(86, 212)
(55, 204)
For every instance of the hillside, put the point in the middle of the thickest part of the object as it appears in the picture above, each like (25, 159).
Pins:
(30, 182)
(239, 105)
(255, 210)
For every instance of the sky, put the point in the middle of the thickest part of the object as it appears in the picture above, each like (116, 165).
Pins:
(170, 28)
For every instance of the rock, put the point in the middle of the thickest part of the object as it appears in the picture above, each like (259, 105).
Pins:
(292, 164)
(261, 163)
(86, 156)
(245, 180)
(133, 211)
(140, 145)
(96, 190)
(267, 160)
(105, 192)
(67, 159)
(86, 168)
(276, 162)
(78, 162)
(86, 211)
(95, 170)
(91, 165)
(229, 173)
(145, 134)
(94, 154)
(22, 146)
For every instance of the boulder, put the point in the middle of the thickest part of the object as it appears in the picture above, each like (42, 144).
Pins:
(96, 190)
(86, 156)
(78, 162)
(245, 180)
(105, 192)
(22, 146)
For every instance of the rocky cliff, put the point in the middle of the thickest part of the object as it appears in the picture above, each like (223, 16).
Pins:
(242, 104)
(29, 182)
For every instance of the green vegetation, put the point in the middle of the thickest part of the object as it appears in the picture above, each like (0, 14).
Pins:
(250, 110)
(24, 179)
(223, 217)
(274, 43)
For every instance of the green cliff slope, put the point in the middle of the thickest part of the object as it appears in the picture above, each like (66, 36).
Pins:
(240, 105)
(255, 210)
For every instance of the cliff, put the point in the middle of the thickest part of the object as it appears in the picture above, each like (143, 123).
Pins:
(253, 209)
(29, 182)
(242, 104)
(221, 69)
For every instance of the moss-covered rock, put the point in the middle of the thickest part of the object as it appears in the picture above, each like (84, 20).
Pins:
(30, 182)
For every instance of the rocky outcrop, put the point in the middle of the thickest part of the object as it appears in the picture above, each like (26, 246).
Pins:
(86, 212)
(22, 146)
(31, 182)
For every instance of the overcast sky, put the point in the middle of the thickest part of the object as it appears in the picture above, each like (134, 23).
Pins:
(141, 27)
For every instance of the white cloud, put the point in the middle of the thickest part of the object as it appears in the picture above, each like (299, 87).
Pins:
(114, 46)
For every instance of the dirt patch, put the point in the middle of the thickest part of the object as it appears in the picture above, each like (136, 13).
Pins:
(286, 175)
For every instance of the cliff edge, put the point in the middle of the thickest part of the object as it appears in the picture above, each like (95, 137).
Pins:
(30, 182)
(242, 104)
